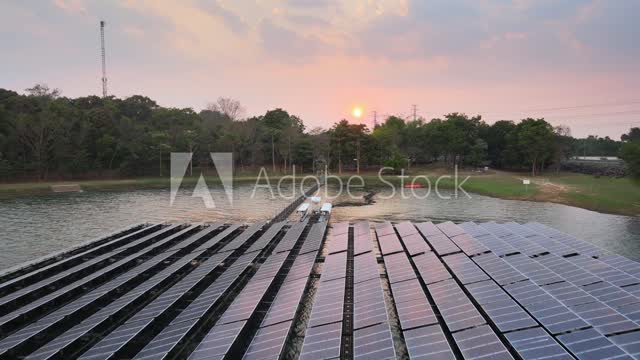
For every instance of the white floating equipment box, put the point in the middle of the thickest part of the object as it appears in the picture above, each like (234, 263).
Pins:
(302, 210)
(326, 208)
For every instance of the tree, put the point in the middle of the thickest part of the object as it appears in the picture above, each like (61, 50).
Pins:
(562, 145)
(535, 140)
(229, 107)
(630, 151)
(497, 138)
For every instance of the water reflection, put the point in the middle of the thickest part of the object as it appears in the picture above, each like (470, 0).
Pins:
(33, 227)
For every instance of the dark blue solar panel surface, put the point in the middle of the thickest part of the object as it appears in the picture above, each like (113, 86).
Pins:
(482, 291)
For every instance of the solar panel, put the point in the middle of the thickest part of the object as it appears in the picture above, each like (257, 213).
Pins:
(291, 237)
(412, 305)
(498, 269)
(217, 342)
(184, 322)
(266, 238)
(389, 244)
(581, 287)
(415, 244)
(67, 276)
(340, 228)
(313, 241)
(322, 342)
(237, 242)
(604, 271)
(406, 228)
(464, 268)
(456, 308)
(500, 307)
(469, 245)
(268, 342)
(337, 243)
(33, 310)
(373, 342)
(197, 308)
(37, 270)
(428, 229)
(589, 344)
(361, 238)
(629, 342)
(492, 291)
(365, 268)
(450, 229)
(579, 246)
(481, 342)
(329, 298)
(102, 294)
(442, 245)
(368, 303)
(398, 268)
(552, 314)
(430, 268)
(427, 343)
(535, 343)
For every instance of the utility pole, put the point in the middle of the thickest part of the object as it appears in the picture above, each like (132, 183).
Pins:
(375, 119)
(104, 61)
(415, 109)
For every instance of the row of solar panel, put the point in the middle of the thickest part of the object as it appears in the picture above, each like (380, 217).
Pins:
(494, 287)
(586, 298)
(167, 256)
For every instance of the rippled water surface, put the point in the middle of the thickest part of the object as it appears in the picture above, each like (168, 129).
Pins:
(36, 226)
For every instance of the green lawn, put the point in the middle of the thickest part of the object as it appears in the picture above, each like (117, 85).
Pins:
(601, 194)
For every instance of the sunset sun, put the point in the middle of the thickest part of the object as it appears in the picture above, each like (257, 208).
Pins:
(356, 112)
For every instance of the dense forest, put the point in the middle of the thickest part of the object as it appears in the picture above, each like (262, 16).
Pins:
(44, 135)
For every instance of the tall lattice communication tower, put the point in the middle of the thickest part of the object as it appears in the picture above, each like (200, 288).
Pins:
(104, 61)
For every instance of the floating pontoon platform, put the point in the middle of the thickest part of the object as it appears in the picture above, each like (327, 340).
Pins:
(306, 290)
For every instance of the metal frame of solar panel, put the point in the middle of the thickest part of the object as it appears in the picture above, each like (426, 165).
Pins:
(372, 336)
(144, 319)
(270, 338)
(36, 309)
(586, 287)
(110, 313)
(608, 308)
(47, 266)
(244, 305)
(555, 315)
(186, 321)
(422, 332)
(171, 260)
(323, 335)
(64, 278)
(462, 318)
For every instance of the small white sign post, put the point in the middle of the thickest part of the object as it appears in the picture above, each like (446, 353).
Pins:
(526, 183)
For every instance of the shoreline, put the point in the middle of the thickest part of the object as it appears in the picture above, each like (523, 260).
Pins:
(604, 195)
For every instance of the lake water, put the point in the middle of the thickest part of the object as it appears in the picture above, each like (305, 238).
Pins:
(35, 226)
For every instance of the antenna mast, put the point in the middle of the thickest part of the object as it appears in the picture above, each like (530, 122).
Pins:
(104, 62)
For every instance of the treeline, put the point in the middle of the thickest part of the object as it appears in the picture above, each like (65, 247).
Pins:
(45, 136)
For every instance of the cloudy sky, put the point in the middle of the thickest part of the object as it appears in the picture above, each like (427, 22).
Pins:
(572, 62)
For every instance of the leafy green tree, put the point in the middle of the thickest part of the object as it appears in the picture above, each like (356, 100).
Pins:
(630, 151)
(535, 140)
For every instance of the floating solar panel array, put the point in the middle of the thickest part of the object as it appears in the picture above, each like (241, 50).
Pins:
(310, 290)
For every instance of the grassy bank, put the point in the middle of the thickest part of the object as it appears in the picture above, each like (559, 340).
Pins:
(615, 196)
